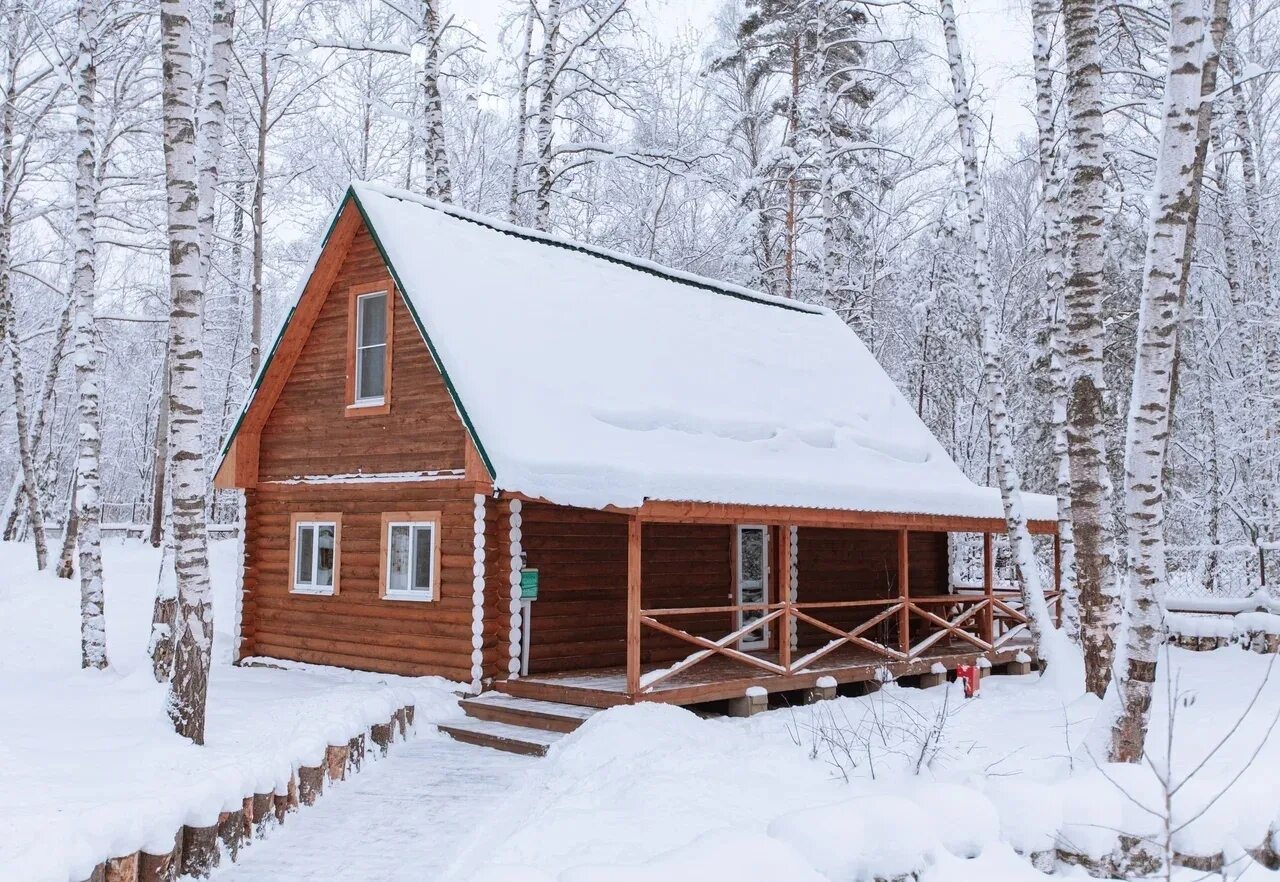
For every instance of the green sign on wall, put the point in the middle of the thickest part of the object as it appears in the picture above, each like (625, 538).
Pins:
(528, 584)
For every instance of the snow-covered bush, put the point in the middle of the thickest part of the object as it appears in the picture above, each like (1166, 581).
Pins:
(879, 736)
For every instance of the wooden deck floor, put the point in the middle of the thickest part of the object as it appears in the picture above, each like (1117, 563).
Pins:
(718, 678)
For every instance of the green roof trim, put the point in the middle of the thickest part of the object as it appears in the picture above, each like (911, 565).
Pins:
(417, 320)
(426, 338)
(619, 259)
(271, 353)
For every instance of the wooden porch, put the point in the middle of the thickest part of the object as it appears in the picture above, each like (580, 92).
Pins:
(680, 652)
(719, 679)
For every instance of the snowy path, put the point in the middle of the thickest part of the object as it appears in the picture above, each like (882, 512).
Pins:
(406, 817)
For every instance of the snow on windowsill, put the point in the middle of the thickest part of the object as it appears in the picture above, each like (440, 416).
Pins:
(411, 596)
(314, 592)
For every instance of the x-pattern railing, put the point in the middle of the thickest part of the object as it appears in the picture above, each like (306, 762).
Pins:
(998, 618)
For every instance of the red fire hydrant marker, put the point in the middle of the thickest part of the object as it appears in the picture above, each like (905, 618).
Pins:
(968, 675)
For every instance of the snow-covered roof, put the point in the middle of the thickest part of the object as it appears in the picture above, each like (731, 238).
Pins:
(590, 378)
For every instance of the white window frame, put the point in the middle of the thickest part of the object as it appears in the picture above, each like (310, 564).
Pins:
(295, 546)
(360, 347)
(413, 521)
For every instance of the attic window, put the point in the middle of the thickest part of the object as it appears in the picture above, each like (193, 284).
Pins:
(369, 352)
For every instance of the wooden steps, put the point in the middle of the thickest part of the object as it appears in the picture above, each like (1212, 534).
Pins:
(517, 725)
(529, 712)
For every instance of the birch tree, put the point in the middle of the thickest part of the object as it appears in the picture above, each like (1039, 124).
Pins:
(1092, 527)
(93, 637)
(14, 18)
(1043, 16)
(194, 637)
(525, 65)
(1175, 201)
(209, 130)
(1039, 622)
(426, 58)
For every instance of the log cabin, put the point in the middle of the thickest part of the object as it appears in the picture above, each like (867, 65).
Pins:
(525, 463)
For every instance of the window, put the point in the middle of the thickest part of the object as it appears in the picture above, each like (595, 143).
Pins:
(313, 557)
(410, 567)
(371, 348)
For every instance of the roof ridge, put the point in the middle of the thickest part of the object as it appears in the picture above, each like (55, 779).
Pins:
(639, 264)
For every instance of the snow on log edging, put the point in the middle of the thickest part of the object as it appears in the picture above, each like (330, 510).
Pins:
(1258, 631)
(211, 833)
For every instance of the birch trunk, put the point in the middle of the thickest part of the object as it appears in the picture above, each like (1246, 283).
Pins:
(70, 536)
(1033, 601)
(1170, 241)
(209, 123)
(259, 197)
(8, 317)
(1213, 476)
(44, 405)
(545, 128)
(209, 131)
(427, 45)
(12, 508)
(1093, 530)
(93, 633)
(1043, 13)
(159, 456)
(189, 686)
(522, 120)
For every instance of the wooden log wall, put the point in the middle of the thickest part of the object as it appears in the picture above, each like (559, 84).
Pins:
(579, 619)
(838, 564)
(309, 433)
(357, 628)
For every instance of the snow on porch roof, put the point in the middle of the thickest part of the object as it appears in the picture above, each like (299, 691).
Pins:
(593, 379)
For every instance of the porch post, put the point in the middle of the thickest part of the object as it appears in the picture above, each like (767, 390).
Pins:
(633, 605)
(988, 588)
(784, 594)
(904, 593)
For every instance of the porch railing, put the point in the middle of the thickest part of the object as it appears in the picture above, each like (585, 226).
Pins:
(980, 616)
(986, 621)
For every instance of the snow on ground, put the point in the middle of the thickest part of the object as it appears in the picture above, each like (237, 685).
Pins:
(902, 781)
(853, 789)
(89, 766)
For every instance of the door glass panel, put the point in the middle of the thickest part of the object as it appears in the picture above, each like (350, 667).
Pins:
(751, 580)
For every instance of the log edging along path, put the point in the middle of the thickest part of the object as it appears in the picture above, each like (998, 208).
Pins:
(1256, 631)
(198, 850)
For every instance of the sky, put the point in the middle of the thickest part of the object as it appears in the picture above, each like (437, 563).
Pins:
(996, 35)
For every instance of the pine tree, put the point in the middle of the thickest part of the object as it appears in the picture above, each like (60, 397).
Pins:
(815, 49)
